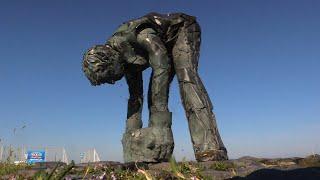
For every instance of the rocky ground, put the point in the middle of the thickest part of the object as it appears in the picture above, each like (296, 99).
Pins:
(242, 168)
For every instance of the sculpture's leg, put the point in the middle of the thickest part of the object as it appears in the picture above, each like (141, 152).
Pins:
(205, 137)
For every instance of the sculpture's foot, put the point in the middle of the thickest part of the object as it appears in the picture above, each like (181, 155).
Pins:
(152, 144)
(212, 155)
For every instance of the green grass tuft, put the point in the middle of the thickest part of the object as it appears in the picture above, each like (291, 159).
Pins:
(222, 166)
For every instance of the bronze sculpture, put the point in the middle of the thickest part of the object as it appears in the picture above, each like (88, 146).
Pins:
(170, 45)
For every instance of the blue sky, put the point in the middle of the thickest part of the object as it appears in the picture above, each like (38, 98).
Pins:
(259, 61)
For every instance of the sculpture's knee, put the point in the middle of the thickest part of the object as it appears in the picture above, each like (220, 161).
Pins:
(187, 75)
(182, 57)
(193, 93)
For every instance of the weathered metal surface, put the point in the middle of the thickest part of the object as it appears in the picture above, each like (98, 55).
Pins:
(169, 44)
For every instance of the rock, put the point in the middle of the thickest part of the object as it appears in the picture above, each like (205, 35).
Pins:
(310, 161)
(47, 165)
(152, 144)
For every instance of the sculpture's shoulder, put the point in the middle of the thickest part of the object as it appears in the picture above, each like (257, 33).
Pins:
(124, 27)
(127, 31)
(170, 19)
(131, 25)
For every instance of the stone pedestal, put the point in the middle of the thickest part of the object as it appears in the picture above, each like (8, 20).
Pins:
(151, 144)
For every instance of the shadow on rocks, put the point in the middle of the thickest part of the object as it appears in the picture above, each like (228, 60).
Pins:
(310, 173)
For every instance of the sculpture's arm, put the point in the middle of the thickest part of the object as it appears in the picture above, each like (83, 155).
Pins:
(159, 61)
(135, 83)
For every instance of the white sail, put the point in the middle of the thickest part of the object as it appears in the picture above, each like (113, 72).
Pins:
(90, 156)
(1, 153)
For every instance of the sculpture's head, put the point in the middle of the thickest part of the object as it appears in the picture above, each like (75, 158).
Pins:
(102, 64)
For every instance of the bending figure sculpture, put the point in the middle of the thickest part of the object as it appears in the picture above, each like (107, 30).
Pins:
(170, 45)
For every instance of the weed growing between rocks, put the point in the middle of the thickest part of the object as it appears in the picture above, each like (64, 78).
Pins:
(9, 168)
(222, 166)
(185, 170)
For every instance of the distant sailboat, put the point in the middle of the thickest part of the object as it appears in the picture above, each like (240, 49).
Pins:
(90, 156)
(64, 156)
(1, 153)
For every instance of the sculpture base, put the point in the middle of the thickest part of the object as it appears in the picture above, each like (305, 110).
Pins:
(151, 144)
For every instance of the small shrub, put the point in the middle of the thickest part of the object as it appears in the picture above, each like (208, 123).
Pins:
(310, 161)
(9, 168)
(222, 166)
(185, 170)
